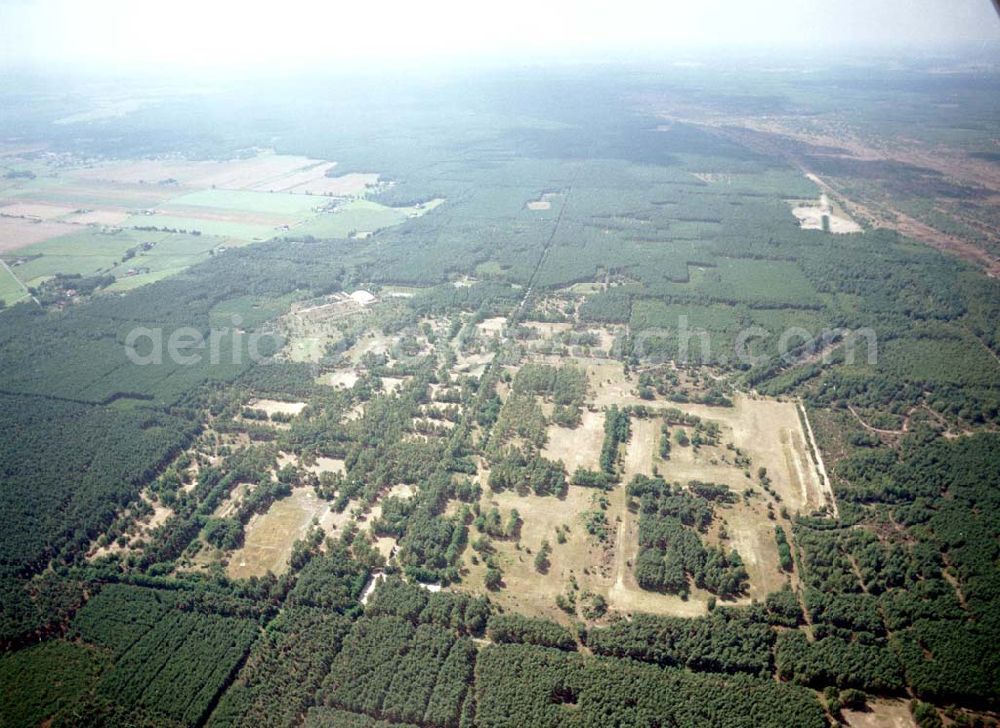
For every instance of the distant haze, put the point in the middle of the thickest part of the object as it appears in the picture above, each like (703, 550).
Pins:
(226, 33)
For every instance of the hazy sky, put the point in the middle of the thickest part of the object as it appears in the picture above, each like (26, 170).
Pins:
(239, 32)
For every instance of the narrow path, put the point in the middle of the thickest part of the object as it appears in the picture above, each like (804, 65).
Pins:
(21, 283)
(870, 428)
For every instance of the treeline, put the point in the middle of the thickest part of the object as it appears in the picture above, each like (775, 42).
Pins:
(536, 686)
(616, 434)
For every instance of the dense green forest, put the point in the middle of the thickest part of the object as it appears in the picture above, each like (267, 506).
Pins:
(898, 597)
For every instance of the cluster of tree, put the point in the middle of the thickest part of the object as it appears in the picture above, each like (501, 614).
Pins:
(724, 641)
(279, 680)
(527, 630)
(784, 549)
(449, 610)
(114, 452)
(835, 661)
(167, 661)
(616, 433)
(525, 471)
(332, 581)
(529, 685)
(593, 478)
(671, 551)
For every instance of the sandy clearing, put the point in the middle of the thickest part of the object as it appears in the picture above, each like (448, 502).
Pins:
(473, 364)
(881, 713)
(272, 406)
(579, 447)
(548, 330)
(326, 465)
(344, 379)
(528, 590)
(18, 232)
(269, 537)
(642, 444)
(811, 218)
(544, 202)
(492, 326)
(391, 384)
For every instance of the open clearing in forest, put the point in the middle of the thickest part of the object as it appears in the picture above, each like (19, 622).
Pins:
(272, 406)
(881, 713)
(810, 217)
(269, 537)
(526, 589)
(579, 447)
(767, 430)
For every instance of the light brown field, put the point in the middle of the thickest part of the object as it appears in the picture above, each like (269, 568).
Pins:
(526, 589)
(18, 232)
(257, 171)
(345, 378)
(577, 448)
(492, 326)
(345, 185)
(643, 444)
(766, 429)
(272, 406)
(326, 465)
(39, 210)
(109, 216)
(544, 202)
(269, 537)
(473, 364)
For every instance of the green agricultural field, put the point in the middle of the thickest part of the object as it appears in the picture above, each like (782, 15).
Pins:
(90, 252)
(10, 289)
(356, 216)
(750, 281)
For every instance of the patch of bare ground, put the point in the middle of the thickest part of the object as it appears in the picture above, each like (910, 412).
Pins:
(881, 713)
(542, 203)
(492, 326)
(274, 406)
(343, 379)
(579, 447)
(581, 557)
(811, 217)
(269, 537)
(771, 433)
(473, 364)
